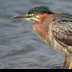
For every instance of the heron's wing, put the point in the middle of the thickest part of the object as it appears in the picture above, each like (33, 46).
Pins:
(62, 28)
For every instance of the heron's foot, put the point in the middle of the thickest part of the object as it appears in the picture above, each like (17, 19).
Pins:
(70, 67)
(65, 61)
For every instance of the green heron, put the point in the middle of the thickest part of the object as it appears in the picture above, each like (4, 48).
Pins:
(54, 28)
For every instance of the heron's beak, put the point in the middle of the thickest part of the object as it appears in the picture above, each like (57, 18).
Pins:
(27, 16)
(23, 16)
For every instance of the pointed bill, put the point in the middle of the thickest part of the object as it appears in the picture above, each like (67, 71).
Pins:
(23, 16)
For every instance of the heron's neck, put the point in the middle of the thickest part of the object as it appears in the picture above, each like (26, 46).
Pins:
(45, 18)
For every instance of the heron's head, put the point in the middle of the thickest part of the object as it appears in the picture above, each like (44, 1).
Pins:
(34, 13)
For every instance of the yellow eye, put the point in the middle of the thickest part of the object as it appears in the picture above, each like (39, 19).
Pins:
(33, 15)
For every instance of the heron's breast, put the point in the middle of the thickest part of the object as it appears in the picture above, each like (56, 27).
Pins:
(43, 32)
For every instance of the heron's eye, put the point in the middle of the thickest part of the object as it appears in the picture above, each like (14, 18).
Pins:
(33, 15)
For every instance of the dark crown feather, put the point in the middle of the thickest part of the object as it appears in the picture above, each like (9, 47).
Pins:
(40, 10)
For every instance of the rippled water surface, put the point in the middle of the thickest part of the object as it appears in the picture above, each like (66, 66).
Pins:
(20, 47)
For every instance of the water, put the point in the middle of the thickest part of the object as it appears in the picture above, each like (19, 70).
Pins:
(20, 47)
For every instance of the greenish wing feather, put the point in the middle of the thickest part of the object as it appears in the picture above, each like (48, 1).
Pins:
(62, 28)
(66, 26)
(64, 21)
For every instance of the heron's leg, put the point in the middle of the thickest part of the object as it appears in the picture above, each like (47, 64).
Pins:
(65, 61)
(71, 62)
